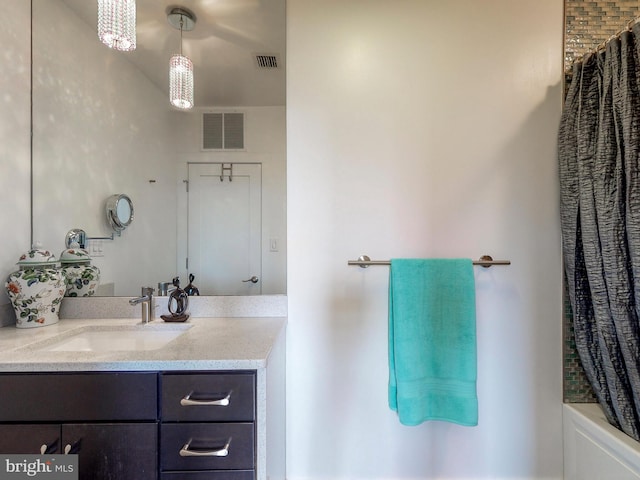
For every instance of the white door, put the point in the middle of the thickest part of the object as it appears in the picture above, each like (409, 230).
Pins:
(224, 228)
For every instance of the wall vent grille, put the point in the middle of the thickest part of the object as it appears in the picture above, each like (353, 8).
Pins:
(223, 131)
(267, 61)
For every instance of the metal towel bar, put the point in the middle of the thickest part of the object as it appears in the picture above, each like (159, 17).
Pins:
(485, 261)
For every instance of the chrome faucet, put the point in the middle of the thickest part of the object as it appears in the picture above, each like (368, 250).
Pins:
(146, 300)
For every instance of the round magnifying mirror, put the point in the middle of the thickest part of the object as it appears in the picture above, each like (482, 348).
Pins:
(124, 211)
(119, 211)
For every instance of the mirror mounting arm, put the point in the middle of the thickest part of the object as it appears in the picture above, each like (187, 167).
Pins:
(79, 236)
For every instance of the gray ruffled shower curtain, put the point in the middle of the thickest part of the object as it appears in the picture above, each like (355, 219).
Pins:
(598, 149)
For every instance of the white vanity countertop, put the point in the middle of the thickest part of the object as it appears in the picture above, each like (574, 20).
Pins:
(209, 344)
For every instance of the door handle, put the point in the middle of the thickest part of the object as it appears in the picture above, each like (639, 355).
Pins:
(253, 279)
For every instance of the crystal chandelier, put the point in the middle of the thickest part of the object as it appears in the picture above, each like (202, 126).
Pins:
(117, 24)
(180, 66)
(181, 82)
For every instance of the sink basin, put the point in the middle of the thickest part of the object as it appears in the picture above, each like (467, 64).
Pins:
(105, 338)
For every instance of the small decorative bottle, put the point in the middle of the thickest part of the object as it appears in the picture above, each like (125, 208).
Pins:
(36, 289)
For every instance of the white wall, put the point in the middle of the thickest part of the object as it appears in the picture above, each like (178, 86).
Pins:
(14, 138)
(416, 129)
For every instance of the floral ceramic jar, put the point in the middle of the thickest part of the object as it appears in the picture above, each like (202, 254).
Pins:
(36, 289)
(81, 278)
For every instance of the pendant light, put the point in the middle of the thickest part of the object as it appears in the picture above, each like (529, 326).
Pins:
(180, 66)
(117, 24)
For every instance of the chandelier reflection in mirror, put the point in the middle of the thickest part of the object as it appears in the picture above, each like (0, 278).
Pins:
(117, 24)
(180, 66)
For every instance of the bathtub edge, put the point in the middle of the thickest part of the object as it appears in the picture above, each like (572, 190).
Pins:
(587, 421)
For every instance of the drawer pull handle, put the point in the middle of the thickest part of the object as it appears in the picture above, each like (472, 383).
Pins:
(75, 448)
(221, 452)
(50, 448)
(188, 401)
(72, 449)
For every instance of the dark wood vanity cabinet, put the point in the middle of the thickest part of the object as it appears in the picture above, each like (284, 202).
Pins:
(135, 425)
(207, 426)
(105, 451)
(109, 419)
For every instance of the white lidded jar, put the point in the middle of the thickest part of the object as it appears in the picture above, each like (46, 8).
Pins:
(36, 289)
(81, 278)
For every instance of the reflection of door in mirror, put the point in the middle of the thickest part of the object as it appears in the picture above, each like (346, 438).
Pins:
(224, 228)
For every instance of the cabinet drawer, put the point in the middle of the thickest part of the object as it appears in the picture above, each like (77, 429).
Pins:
(45, 397)
(200, 446)
(210, 475)
(208, 397)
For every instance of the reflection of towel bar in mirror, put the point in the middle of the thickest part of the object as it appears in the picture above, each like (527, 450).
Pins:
(485, 261)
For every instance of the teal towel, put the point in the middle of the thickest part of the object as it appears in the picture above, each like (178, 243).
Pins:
(432, 341)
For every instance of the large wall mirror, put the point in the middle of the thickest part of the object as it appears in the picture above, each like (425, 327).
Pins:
(103, 126)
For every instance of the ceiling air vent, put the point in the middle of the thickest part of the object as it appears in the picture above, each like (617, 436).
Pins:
(223, 131)
(266, 61)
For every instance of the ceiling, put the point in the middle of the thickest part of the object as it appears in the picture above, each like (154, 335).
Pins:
(228, 34)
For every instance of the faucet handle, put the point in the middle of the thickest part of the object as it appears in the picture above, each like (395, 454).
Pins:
(147, 291)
